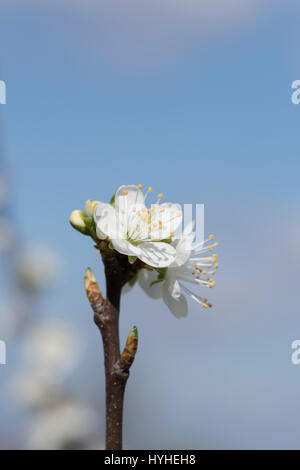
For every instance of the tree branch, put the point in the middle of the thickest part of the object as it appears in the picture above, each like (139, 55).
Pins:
(106, 317)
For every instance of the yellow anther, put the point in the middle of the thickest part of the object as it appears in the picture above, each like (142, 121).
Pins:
(171, 234)
(179, 214)
(205, 300)
(210, 248)
(210, 305)
(205, 305)
(156, 239)
(140, 186)
(212, 283)
(213, 272)
(160, 196)
(162, 210)
(211, 237)
(214, 258)
(125, 192)
(216, 244)
(150, 189)
(154, 224)
(216, 265)
(204, 272)
(122, 210)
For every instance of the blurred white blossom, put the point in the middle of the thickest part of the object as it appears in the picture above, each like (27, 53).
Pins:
(37, 266)
(52, 349)
(31, 390)
(68, 425)
(9, 316)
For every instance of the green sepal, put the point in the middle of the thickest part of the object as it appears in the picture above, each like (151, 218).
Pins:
(112, 201)
(167, 240)
(133, 280)
(92, 230)
(156, 282)
(161, 275)
(82, 230)
(132, 259)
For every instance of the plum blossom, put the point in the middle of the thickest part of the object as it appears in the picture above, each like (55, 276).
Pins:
(189, 266)
(67, 425)
(37, 266)
(138, 231)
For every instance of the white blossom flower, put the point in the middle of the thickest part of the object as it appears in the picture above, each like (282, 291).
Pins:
(68, 424)
(9, 319)
(31, 389)
(37, 266)
(137, 231)
(52, 350)
(189, 266)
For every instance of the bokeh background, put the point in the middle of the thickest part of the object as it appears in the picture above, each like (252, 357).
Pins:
(193, 98)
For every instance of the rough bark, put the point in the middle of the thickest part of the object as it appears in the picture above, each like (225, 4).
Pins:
(118, 271)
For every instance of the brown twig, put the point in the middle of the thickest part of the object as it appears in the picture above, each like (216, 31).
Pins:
(106, 317)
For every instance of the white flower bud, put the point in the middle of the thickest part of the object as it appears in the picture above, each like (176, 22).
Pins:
(80, 221)
(90, 206)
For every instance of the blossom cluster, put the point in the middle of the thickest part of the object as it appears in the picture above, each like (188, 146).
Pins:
(169, 256)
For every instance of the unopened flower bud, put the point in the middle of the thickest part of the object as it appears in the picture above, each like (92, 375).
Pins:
(91, 287)
(90, 206)
(81, 222)
(129, 352)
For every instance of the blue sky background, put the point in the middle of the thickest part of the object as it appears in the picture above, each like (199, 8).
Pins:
(194, 99)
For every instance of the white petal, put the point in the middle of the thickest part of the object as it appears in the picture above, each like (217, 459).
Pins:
(127, 288)
(134, 197)
(170, 215)
(106, 221)
(125, 248)
(188, 229)
(157, 254)
(183, 247)
(183, 274)
(174, 299)
(100, 234)
(193, 296)
(145, 278)
(160, 233)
